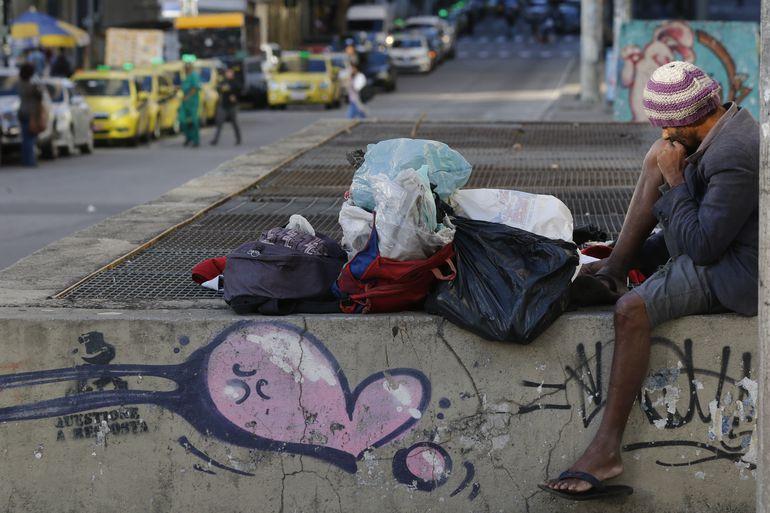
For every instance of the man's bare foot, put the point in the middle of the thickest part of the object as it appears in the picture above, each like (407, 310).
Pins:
(601, 462)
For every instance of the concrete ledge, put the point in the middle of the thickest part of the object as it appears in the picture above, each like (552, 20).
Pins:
(505, 416)
(34, 279)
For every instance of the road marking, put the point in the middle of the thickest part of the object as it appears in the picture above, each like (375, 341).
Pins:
(462, 55)
(545, 54)
(524, 54)
(519, 38)
(483, 55)
(566, 53)
(483, 39)
(501, 39)
(503, 54)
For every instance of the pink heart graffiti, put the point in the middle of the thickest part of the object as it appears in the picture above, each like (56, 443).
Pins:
(262, 385)
(283, 385)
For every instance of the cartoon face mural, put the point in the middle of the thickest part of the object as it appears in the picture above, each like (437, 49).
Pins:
(725, 50)
(261, 385)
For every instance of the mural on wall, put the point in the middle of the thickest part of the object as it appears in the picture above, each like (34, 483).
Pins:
(728, 51)
(259, 385)
(722, 401)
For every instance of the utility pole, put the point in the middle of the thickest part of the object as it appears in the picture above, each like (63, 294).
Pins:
(763, 421)
(621, 14)
(591, 24)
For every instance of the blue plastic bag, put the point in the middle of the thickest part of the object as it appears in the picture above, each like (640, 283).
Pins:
(446, 169)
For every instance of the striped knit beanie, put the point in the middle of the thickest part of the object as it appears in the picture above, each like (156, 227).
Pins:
(679, 94)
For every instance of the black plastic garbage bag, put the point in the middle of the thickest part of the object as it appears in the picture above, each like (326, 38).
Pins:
(511, 284)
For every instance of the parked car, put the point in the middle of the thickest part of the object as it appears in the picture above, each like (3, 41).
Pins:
(254, 81)
(568, 17)
(209, 70)
(119, 112)
(9, 117)
(411, 52)
(446, 33)
(341, 62)
(379, 70)
(304, 79)
(72, 117)
(157, 88)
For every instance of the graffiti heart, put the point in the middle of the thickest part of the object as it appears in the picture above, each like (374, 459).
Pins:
(261, 385)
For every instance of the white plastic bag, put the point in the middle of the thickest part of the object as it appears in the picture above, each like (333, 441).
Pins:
(356, 226)
(300, 224)
(406, 216)
(536, 213)
(406, 219)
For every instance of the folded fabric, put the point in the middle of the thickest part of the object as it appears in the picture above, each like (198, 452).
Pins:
(208, 269)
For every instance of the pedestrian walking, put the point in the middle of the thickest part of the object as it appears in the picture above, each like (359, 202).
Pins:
(188, 111)
(32, 114)
(227, 111)
(355, 85)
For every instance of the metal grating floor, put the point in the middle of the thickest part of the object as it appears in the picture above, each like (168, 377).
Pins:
(591, 167)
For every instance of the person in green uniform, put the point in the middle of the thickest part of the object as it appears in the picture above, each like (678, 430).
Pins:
(188, 111)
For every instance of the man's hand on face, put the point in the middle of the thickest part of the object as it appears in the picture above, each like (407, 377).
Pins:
(671, 162)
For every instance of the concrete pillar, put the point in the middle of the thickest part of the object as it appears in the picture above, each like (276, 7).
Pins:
(763, 424)
(590, 49)
(701, 9)
(620, 15)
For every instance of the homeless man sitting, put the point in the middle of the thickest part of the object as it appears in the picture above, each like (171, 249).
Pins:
(700, 181)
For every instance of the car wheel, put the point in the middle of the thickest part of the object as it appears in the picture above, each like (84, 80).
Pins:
(49, 150)
(157, 132)
(69, 148)
(88, 147)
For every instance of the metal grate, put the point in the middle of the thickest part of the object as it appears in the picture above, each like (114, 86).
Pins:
(591, 167)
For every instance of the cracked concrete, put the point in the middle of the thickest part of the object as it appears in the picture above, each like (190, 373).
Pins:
(474, 415)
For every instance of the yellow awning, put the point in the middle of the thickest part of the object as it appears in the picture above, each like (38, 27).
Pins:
(224, 20)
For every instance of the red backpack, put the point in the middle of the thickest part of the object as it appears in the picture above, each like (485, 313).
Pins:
(371, 283)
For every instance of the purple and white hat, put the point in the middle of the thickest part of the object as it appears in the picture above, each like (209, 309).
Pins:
(679, 94)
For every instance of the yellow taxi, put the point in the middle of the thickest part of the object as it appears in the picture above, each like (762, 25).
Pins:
(176, 70)
(164, 99)
(120, 112)
(304, 79)
(208, 69)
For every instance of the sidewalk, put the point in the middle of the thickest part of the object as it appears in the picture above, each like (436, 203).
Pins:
(569, 107)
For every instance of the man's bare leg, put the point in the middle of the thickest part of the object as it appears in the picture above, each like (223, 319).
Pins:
(631, 355)
(639, 221)
(629, 367)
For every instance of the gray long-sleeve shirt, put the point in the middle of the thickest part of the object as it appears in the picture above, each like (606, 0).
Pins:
(713, 217)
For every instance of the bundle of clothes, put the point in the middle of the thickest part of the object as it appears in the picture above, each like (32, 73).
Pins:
(498, 263)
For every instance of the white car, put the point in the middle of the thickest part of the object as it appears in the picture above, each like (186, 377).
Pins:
(410, 52)
(71, 117)
(10, 129)
(445, 30)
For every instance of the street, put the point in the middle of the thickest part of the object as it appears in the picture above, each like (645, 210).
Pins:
(493, 78)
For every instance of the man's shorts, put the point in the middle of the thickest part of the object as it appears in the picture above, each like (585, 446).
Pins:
(677, 289)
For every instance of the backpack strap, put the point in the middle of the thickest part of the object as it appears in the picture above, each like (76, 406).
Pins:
(445, 277)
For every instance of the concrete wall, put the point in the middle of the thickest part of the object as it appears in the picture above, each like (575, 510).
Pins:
(197, 410)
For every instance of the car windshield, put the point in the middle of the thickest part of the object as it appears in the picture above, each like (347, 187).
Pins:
(377, 59)
(145, 83)
(56, 92)
(407, 43)
(103, 87)
(303, 66)
(339, 62)
(9, 86)
(205, 74)
(365, 25)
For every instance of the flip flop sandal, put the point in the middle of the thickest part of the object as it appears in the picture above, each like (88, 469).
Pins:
(594, 289)
(599, 489)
